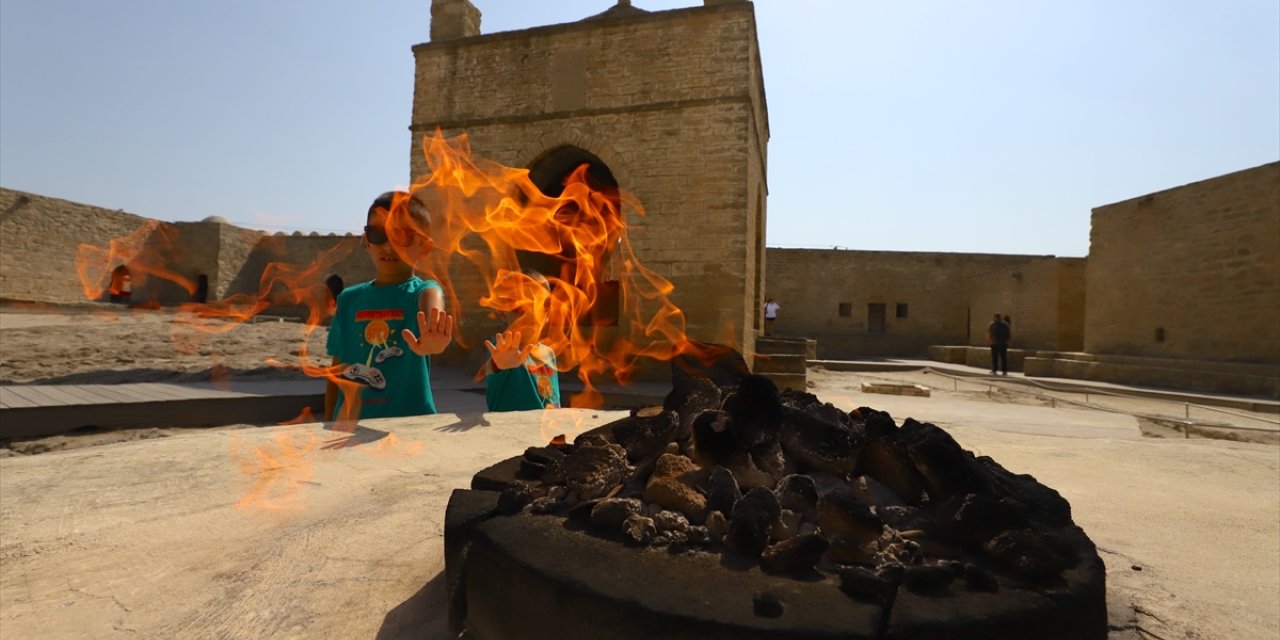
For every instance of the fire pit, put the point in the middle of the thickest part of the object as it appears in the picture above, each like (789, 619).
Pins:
(736, 511)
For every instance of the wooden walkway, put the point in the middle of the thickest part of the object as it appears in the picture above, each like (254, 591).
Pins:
(28, 411)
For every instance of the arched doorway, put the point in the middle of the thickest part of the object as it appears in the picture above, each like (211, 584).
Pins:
(202, 289)
(335, 285)
(121, 288)
(550, 173)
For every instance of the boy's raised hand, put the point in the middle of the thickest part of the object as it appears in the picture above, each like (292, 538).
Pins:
(434, 334)
(507, 354)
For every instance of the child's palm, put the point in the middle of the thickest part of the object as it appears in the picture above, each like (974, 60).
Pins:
(434, 334)
(507, 353)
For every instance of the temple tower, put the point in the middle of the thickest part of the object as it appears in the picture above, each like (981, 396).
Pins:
(666, 105)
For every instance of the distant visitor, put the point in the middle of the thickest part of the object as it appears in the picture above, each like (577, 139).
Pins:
(771, 309)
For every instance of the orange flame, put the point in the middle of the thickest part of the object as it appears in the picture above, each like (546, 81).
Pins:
(278, 470)
(490, 215)
(561, 425)
(150, 251)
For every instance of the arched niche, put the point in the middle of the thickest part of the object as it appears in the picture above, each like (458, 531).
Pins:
(549, 173)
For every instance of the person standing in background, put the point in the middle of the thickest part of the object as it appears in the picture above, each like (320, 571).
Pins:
(998, 339)
(771, 309)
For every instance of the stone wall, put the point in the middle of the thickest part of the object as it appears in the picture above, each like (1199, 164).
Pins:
(1043, 298)
(927, 298)
(672, 102)
(1191, 272)
(39, 237)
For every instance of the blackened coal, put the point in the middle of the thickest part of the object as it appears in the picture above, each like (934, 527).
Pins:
(730, 465)
(751, 519)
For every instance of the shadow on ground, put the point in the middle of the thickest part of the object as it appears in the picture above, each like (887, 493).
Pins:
(423, 616)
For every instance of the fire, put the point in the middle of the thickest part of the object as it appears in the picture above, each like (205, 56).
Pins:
(561, 425)
(279, 470)
(603, 313)
(150, 251)
(490, 215)
(595, 305)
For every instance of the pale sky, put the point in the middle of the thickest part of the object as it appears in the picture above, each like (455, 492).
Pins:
(929, 125)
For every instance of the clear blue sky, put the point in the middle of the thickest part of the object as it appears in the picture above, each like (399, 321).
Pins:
(932, 125)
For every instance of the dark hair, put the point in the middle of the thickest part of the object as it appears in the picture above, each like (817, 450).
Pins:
(385, 201)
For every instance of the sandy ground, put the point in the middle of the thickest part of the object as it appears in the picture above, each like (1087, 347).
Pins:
(110, 344)
(301, 532)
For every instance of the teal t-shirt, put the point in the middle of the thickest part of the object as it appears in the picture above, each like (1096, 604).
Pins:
(535, 385)
(365, 336)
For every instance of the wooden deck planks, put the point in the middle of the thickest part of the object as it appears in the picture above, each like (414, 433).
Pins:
(44, 396)
(9, 397)
(89, 395)
(50, 395)
(40, 410)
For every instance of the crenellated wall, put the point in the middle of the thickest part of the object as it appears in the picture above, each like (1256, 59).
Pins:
(40, 236)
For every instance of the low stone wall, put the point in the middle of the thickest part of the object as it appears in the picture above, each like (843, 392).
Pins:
(1198, 376)
(981, 357)
(949, 354)
(1259, 381)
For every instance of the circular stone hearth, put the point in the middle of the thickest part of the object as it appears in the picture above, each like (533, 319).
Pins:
(536, 577)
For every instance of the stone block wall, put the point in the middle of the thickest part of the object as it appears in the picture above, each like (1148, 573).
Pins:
(827, 295)
(1191, 272)
(671, 102)
(1044, 298)
(39, 236)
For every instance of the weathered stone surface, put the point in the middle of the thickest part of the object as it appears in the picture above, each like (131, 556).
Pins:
(970, 528)
(523, 567)
(610, 513)
(591, 471)
(794, 555)
(673, 485)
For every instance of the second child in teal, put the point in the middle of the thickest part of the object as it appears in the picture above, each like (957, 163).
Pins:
(371, 337)
(520, 379)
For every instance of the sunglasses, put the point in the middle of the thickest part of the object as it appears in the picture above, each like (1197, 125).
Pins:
(379, 235)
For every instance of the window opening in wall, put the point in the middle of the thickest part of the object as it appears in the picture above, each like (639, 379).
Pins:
(1160, 334)
(846, 310)
(901, 311)
(875, 317)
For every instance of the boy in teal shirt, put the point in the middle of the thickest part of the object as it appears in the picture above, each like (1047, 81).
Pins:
(520, 378)
(371, 333)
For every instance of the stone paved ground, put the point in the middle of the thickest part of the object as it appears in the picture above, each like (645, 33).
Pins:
(300, 532)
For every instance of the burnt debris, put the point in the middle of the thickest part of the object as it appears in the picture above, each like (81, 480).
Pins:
(891, 515)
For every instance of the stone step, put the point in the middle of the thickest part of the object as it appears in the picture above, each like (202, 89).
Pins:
(780, 363)
(797, 346)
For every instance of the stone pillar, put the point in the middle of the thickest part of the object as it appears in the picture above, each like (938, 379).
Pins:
(452, 19)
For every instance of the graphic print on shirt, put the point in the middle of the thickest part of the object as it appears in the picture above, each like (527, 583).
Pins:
(542, 374)
(378, 335)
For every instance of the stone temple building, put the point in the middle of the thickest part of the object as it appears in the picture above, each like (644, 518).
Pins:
(1181, 288)
(667, 105)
